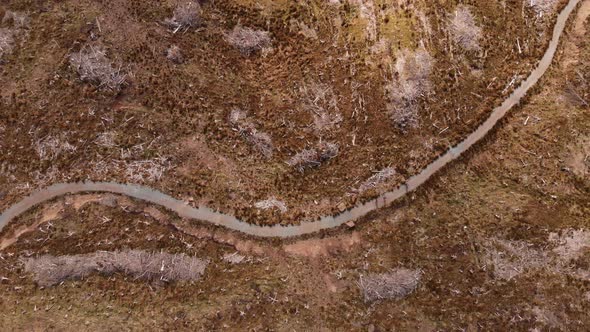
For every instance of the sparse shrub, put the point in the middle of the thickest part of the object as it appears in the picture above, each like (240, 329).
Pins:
(464, 30)
(236, 117)
(309, 158)
(376, 179)
(327, 150)
(149, 170)
(577, 91)
(366, 10)
(261, 141)
(234, 258)
(186, 15)
(174, 54)
(392, 285)
(106, 139)
(542, 7)
(271, 203)
(136, 171)
(50, 147)
(425, 23)
(405, 116)
(6, 42)
(570, 243)
(17, 19)
(50, 270)
(320, 100)
(412, 83)
(509, 259)
(248, 40)
(302, 29)
(158, 266)
(93, 66)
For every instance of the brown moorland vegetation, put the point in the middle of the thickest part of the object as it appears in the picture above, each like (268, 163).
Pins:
(308, 74)
(501, 238)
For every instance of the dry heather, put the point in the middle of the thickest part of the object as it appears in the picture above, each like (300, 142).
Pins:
(464, 30)
(248, 40)
(320, 100)
(93, 66)
(186, 15)
(510, 259)
(303, 29)
(106, 139)
(571, 244)
(16, 19)
(50, 147)
(271, 203)
(314, 157)
(137, 171)
(542, 7)
(261, 141)
(174, 54)
(17, 22)
(577, 90)
(412, 83)
(141, 171)
(392, 285)
(6, 42)
(50, 270)
(425, 24)
(234, 258)
(366, 10)
(131, 162)
(376, 179)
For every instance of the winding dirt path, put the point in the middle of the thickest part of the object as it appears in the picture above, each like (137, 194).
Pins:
(306, 227)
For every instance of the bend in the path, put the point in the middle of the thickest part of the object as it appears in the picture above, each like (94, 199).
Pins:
(206, 214)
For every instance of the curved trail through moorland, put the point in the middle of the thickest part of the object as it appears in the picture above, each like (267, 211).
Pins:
(208, 215)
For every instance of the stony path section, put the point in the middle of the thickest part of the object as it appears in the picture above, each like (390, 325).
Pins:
(306, 227)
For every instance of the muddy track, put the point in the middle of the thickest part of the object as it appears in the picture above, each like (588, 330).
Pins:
(306, 227)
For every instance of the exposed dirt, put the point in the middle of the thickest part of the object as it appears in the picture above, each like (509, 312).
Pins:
(169, 127)
(48, 214)
(317, 248)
